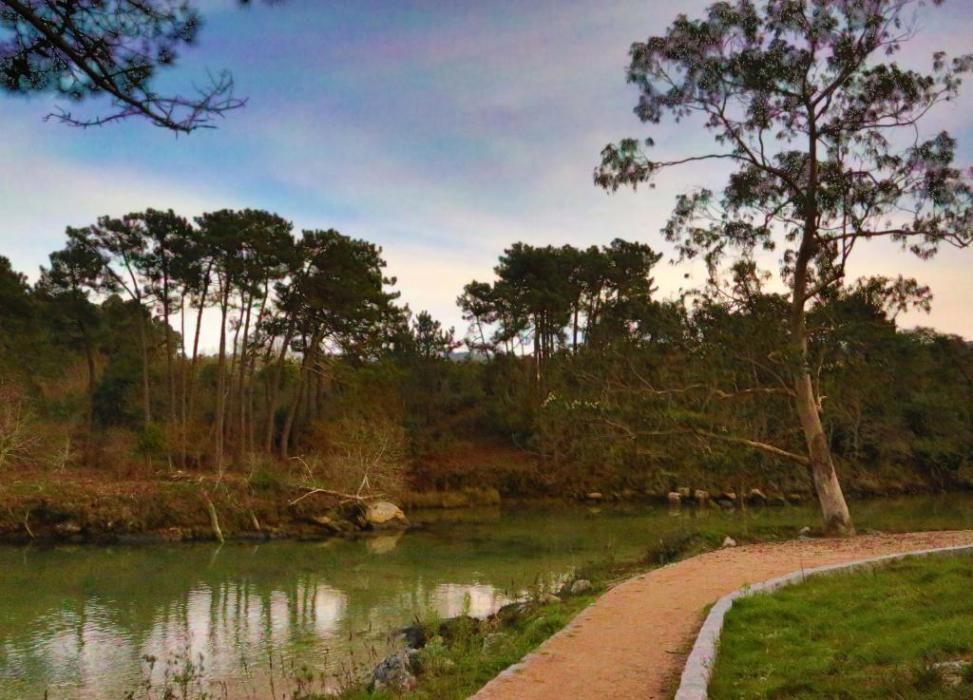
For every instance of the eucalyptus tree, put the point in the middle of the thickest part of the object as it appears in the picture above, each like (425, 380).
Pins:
(823, 131)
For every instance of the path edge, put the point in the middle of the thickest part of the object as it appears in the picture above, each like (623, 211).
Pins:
(694, 682)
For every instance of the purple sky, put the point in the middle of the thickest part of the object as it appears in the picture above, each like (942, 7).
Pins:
(443, 131)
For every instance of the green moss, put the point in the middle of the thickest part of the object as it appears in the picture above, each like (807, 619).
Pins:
(873, 634)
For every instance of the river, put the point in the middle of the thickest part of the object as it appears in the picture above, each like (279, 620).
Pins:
(78, 622)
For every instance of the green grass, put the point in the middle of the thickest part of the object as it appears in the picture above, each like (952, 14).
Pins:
(458, 664)
(872, 634)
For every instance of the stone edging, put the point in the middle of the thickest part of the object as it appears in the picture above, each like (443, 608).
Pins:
(699, 666)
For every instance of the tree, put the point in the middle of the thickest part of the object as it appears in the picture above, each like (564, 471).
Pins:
(121, 246)
(820, 127)
(73, 273)
(113, 48)
(338, 303)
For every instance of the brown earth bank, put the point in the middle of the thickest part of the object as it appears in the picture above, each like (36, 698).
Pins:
(634, 640)
(151, 505)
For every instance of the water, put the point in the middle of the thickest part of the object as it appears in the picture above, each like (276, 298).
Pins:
(77, 621)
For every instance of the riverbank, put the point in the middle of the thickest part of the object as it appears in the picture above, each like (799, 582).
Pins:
(174, 506)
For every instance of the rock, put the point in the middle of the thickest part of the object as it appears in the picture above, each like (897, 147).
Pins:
(394, 673)
(795, 498)
(756, 497)
(953, 673)
(628, 494)
(702, 497)
(582, 585)
(684, 492)
(805, 531)
(381, 514)
(330, 524)
(729, 542)
(594, 496)
(674, 498)
(511, 612)
(493, 642)
(548, 599)
(67, 528)
(777, 500)
(414, 636)
(728, 496)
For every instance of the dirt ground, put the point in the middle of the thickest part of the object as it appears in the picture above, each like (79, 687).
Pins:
(633, 642)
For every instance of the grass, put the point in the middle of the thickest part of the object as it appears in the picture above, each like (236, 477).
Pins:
(460, 662)
(872, 634)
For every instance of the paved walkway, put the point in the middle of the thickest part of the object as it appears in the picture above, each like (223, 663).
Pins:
(633, 642)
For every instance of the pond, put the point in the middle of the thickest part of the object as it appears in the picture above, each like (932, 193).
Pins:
(78, 622)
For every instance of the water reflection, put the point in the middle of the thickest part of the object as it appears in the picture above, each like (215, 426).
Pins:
(77, 622)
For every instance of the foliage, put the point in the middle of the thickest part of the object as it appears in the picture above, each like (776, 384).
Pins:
(114, 49)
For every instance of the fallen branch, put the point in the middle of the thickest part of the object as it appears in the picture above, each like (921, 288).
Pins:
(345, 497)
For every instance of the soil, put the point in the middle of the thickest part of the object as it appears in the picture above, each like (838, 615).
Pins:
(633, 642)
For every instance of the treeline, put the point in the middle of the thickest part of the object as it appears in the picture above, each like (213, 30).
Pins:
(127, 299)
(570, 358)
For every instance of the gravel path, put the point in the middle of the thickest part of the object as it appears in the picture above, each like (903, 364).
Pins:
(633, 641)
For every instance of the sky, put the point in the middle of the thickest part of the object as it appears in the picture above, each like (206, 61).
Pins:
(441, 130)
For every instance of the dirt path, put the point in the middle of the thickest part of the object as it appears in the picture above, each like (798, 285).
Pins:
(633, 642)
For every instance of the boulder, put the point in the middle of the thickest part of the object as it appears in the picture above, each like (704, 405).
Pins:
(548, 599)
(414, 636)
(394, 673)
(382, 514)
(674, 498)
(701, 496)
(729, 542)
(582, 585)
(511, 612)
(756, 497)
(684, 492)
(594, 496)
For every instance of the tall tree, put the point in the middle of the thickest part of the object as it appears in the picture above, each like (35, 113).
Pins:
(820, 126)
(73, 273)
(340, 305)
(120, 244)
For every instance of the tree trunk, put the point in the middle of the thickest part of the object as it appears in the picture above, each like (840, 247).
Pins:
(274, 390)
(170, 351)
(299, 390)
(221, 382)
(837, 519)
(89, 413)
(144, 345)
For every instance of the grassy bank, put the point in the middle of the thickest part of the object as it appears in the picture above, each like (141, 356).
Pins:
(901, 631)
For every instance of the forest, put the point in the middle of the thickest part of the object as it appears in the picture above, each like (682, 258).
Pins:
(573, 376)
